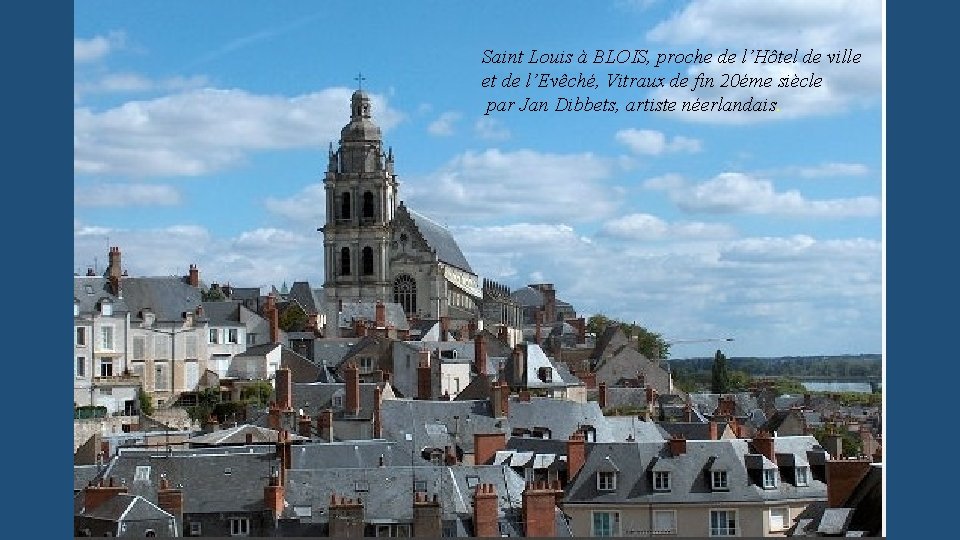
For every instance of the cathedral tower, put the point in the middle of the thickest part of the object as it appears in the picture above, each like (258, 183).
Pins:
(361, 195)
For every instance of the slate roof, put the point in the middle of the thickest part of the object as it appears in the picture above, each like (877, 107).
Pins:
(744, 402)
(331, 351)
(213, 480)
(126, 507)
(691, 430)
(367, 310)
(302, 370)
(238, 435)
(536, 359)
(168, 297)
(390, 494)
(562, 417)
(310, 299)
(622, 427)
(314, 397)
(223, 313)
(527, 297)
(689, 473)
(83, 474)
(432, 423)
(354, 454)
(440, 240)
(98, 288)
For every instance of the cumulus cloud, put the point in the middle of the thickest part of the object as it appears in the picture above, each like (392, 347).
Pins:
(826, 26)
(741, 193)
(118, 195)
(260, 257)
(654, 143)
(523, 185)
(306, 208)
(137, 83)
(649, 227)
(97, 47)
(491, 129)
(443, 126)
(207, 130)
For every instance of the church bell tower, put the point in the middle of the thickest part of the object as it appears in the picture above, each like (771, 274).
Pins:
(361, 197)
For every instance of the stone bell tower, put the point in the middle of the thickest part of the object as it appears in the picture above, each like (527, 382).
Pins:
(361, 196)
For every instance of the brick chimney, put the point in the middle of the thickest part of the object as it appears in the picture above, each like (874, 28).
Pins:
(479, 355)
(381, 315)
(581, 330)
(346, 517)
(539, 508)
(285, 453)
(496, 403)
(113, 270)
(273, 496)
(678, 445)
(170, 500)
(325, 425)
(486, 446)
(95, 495)
(523, 395)
(273, 318)
(284, 389)
(426, 515)
(538, 320)
(505, 398)
(472, 328)
(602, 396)
(502, 334)
(444, 327)
(843, 475)
(377, 422)
(424, 378)
(485, 511)
(763, 443)
(714, 431)
(305, 424)
(833, 444)
(351, 376)
(449, 455)
(576, 454)
(194, 276)
(519, 362)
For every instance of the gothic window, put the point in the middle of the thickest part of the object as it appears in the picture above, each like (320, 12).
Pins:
(345, 261)
(405, 293)
(367, 261)
(345, 206)
(367, 205)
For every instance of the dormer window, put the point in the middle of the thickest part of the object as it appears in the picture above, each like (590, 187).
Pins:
(106, 308)
(769, 479)
(545, 374)
(76, 309)
(803, 476)
(661, 480)
(719, 480)
(606, 481)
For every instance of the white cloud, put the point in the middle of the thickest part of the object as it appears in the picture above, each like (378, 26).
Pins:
(261, 257)
(307, 208)
(97, 47)
(654, 143)
(827, 26)
(444, 124)
(491, 129)
(523, 184)
(203, 131)
(649, 227)
(741, 193)
(137, 83)
(115, 194)
(827, 170)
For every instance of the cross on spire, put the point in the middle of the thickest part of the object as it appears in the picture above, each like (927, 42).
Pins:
(359, 78)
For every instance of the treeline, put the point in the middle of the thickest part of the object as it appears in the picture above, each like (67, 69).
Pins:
(864, 365)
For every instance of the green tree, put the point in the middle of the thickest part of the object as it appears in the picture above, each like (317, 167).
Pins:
(651, 344)
(293, 319)
(597, 323)
(720, 381)
(212, 295)
(257, 393)
(146, 404)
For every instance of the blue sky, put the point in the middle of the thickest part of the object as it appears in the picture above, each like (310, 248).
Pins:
(201, 132)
